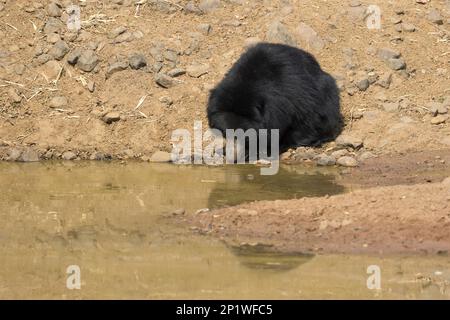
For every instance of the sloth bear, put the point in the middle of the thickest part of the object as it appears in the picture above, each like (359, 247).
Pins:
(275, 86)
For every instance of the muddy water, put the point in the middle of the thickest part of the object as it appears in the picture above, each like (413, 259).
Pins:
(115, 222)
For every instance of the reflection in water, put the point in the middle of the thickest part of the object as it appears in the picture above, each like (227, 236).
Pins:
(244, 184)
(109, 219)
(260, 257)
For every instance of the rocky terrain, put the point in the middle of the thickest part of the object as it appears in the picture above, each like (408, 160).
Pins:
(137, 70)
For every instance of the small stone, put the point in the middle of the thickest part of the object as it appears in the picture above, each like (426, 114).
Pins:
(363, 84)
(339, 153)
(435, 17)
(13, 154)
(54, 10)
(209, 5)
(396, 64)
(116, 67)
(53, 25)
(278, 33)
(59, 50)
(325, 160)
(387, 53)
(439, 119)
(72, 57)
(87, 61)
(164, 80)
(408, 27)
(176, 72)
(197, 70)
(53, 38)
(347, 161)
(178, 212)
(111, 117)
(117, 32)
(204, 28)
(161, 156)
(29, 156)
(137, 61)
(190, 7)
(91, 86)
(58, 102)
(69, 155)
(310, 37)
(385, 80)
(436, 108)
(391, 106)
(348, 141)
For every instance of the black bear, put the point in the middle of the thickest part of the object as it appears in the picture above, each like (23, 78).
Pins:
(275, 86)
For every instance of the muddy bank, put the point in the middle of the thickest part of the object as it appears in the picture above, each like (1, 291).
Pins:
(388, 220)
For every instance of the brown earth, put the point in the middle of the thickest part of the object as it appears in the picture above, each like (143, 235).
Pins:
(212, 33)
(395, 219)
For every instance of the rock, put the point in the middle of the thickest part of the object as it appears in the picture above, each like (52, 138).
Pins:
(72, 57)
(54, 10)
(137, 61)
(278, 33)
(385, 80)
(396, 64)
(69, 155)
(87, 61)
(348, 141)
(434, 16)
(387, 53)
(197, 70)
(58, 102)
(190, 7)
(53, 25)
(408, 27)
(391, 106)
(13, 154)
(53, 38)
(111, 117)
(339, 153)
(176, 72)
(204, 28)
(436, 108)
(325, 160)
(178, 212)
(29, 156)
(303, 153)
(116, 67)
(439, 119)
(164, 80)
(59, 50)
(209, 5)
(347, 161)
(161, 156)
(310, 37)
(117, 32)
(362, 84)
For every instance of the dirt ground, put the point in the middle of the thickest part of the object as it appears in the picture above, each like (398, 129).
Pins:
(137, 70)
(396, 219)
(52, 108)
